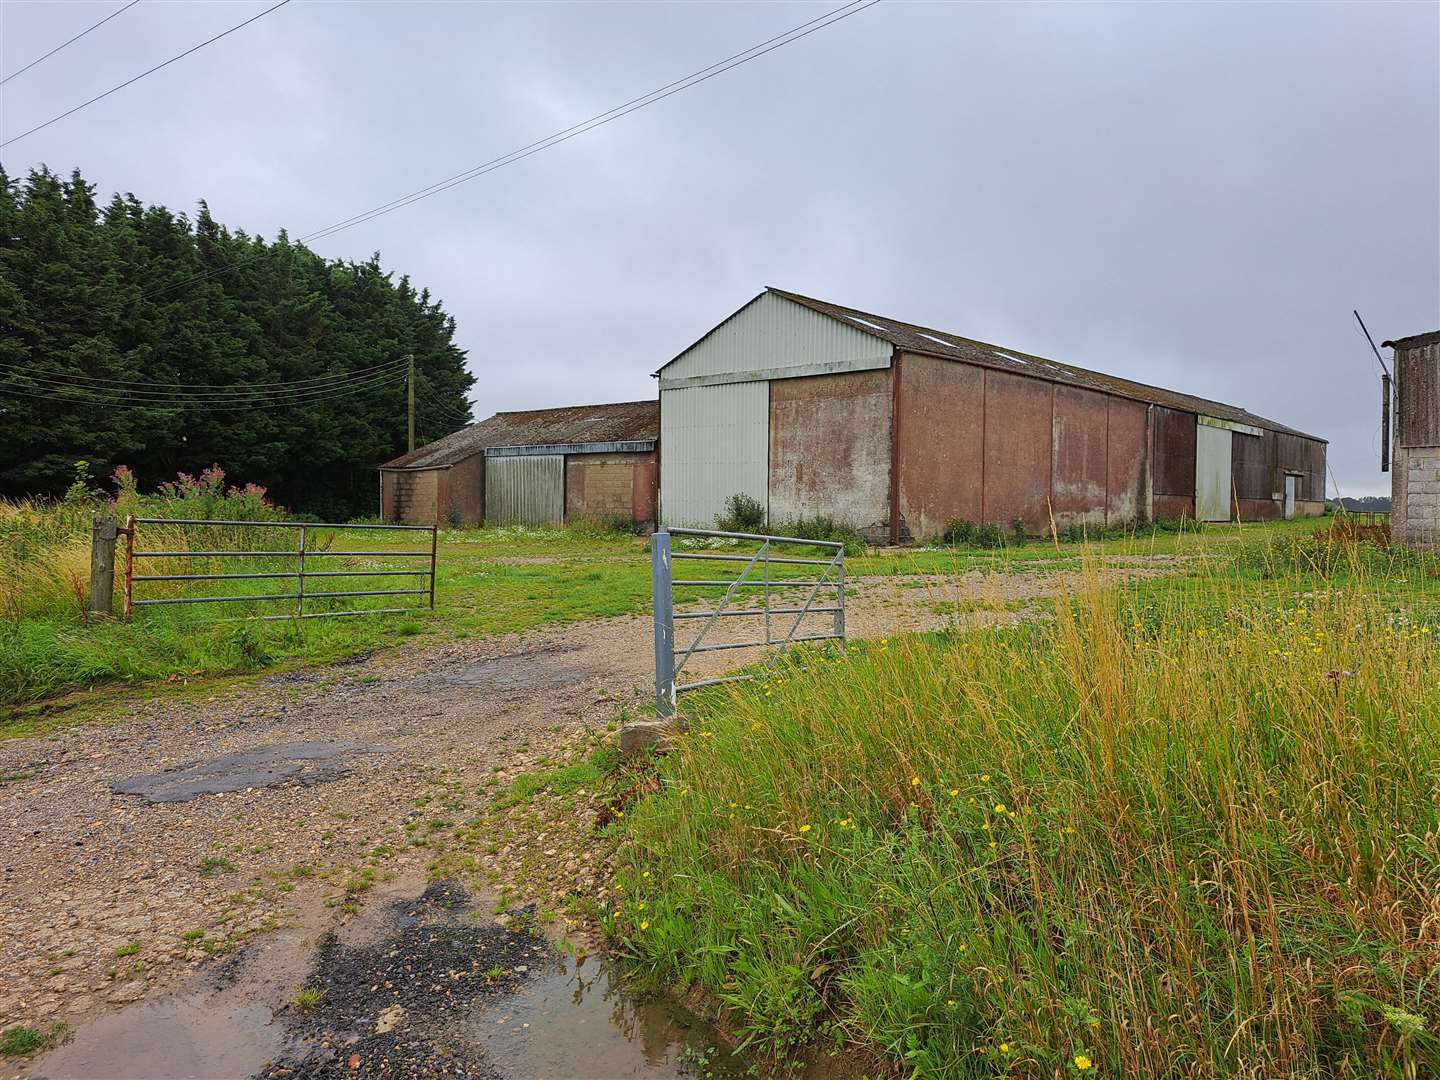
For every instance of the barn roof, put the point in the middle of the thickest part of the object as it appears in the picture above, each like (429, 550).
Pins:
(930, 342)
(1415, 341)
(625, 421)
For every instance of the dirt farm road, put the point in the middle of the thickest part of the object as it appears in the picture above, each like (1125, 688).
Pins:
(187, 827)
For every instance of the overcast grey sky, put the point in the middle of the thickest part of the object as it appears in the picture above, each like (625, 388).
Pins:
(1193, 195)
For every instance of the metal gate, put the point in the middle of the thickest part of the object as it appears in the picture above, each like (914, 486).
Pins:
(527, 489)
(269, 552)
(670, 659)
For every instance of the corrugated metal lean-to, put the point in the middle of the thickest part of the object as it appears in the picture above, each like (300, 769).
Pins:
(525, 490)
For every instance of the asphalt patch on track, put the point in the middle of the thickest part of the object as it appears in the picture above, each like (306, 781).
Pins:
(302, 763)
(388, 1004)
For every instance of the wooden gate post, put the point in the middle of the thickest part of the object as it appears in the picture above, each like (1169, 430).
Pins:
(102, 566)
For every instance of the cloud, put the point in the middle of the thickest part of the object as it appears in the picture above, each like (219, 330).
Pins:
(1190, 195)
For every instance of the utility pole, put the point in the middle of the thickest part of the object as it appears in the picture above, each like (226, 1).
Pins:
(410, 384)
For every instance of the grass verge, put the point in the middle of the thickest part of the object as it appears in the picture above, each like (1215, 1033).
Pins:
(1174, 831)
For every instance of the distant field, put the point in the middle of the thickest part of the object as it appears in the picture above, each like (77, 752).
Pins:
(490, 581)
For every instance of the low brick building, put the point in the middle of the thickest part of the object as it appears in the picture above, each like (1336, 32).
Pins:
(538, 467)
(1415, 462)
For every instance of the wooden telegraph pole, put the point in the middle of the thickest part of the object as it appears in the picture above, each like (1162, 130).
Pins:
(410, 383)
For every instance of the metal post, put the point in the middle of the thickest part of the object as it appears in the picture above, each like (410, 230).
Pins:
(840, 602)
(102, 566)
(664, 604)
(129, 565)
(434, 542)
(1385, 422)
(765, 547)
(300, 578)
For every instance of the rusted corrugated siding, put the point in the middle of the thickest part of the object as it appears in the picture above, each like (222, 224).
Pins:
(1080, 448)
(830, 448)
(1174, 453)
(1417, 373)
(1250, 470)
(1127, 453)
(941, 443)
(1018, 413)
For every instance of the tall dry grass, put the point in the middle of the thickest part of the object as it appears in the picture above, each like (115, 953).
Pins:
(1185, 829)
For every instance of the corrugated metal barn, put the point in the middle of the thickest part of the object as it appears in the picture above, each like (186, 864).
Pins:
(540, 467)
(894, 428)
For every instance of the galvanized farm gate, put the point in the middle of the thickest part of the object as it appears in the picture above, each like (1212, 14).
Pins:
(301, 573)
(670, 659)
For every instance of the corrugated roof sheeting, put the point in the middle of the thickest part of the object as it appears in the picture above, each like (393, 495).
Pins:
(626, 421)
(921, 339)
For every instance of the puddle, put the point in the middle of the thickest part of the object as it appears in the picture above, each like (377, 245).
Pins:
(580, 1020)
(303, 763)
(423, 983)
(174, 1038)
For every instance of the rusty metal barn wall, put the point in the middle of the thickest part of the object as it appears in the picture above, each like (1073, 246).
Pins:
(1292, 453)
(1080, 448)
(1170, 507)
(1250, 467)
(525, 490)
(715, 441)
(1174, 452)
(467, 489)
(1018, 413)
(1127, 475)
(774, 333)
(830, 448)
(941, 443)
(1417, 374)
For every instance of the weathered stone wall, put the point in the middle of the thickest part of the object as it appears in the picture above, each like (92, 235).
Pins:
(1415, 491)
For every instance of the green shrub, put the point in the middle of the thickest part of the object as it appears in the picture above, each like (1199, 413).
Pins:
(989, 535)
(742, 514)
(958, 532)
(821, 527)
(1018, 532)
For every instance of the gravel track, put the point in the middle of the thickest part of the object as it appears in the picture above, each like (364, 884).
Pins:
(106, 898)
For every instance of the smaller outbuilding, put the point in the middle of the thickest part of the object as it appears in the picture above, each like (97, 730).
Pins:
(538, 467)
(1415, 467)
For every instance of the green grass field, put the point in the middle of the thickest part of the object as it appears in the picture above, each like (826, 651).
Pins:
(1186, 827)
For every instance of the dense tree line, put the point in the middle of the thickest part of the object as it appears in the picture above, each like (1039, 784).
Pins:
(104, 312)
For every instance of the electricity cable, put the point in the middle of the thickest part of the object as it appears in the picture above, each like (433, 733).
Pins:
(150, 71)
(790, 36)
(77, 37)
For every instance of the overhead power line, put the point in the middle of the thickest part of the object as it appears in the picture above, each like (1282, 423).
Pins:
(695, 78)
(63, 44)
(149, 71)
(130, 401)
(99, 383)
(215, 396)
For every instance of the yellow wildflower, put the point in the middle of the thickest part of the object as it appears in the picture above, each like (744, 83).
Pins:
(644, 926)
(1004, 1048)
(954, 791)
(914, 781)
(985, 778)
(999, 808)
(804, 828)
(1082, 1062)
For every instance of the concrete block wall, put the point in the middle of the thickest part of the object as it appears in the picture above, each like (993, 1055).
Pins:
(1415, 518)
